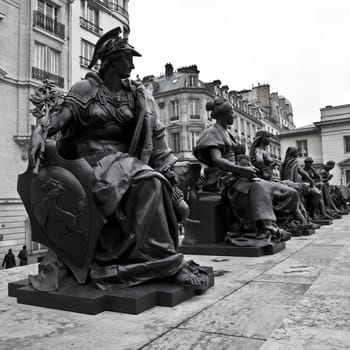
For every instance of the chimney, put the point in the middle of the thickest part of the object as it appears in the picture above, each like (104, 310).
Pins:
(169, 70)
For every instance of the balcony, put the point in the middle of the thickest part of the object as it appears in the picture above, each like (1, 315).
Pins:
(118, 9)
(48, 24)
(84, 23)
(42, 75)
(84, 62)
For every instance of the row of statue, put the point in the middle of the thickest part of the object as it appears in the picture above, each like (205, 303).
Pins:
(264, 208)
(105, 200)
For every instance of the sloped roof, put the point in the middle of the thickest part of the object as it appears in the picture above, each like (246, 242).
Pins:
(174, 82)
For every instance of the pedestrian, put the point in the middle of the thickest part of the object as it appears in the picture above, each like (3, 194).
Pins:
(9, 260)
(23, 256)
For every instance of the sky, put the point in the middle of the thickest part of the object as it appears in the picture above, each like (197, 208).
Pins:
(301, 48)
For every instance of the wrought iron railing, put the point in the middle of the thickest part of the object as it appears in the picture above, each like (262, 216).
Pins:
(84, 62)
(84, 23)
(42, 75)
(116, 8)
(49, 24)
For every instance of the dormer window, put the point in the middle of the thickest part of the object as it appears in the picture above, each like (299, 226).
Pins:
(192, 81)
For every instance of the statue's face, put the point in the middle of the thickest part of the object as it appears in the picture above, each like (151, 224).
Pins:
(265, 141)
(230, 116)
(123, 65)
(308, 164)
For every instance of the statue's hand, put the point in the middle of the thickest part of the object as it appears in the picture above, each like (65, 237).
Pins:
(37, 146)
(248, 172)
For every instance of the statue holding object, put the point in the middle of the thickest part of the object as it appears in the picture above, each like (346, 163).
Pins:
(229, 172)
(104, 198)
(288, 207)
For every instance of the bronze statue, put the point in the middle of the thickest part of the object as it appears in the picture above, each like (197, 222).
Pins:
(326, 176)
(109, 126)
(249, 197)
(311, 195)
(259, 157)
(287, 204)
(316, 177)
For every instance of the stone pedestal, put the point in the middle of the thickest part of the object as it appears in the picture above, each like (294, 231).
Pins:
(205, 232)
(323, 222)
(88, 299)
(223, 249)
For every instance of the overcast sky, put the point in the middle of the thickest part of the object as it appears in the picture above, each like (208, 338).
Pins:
(300, 47)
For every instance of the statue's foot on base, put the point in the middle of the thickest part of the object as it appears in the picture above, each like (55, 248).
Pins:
(312, 226)
(325, 216)
(192, 275)
(281, 236)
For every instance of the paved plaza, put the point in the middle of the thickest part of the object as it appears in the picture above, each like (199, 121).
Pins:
(296, 299)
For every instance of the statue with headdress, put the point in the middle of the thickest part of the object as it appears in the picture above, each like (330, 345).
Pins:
(288, 207)
(111, 215)
(311, 195)
(230, 173)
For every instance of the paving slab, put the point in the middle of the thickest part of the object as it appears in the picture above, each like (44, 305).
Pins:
(181, 339)
(252, 320)
(307, 338)
(296, 299)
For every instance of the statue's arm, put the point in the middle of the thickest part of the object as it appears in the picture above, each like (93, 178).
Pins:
(56, 121)
(226, 165)
(305, 176)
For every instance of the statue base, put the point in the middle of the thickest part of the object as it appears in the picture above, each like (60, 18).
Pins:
(88, 299)
(223, 249)
(307, 232)
(323, 221)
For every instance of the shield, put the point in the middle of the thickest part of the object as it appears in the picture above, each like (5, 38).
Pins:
(61, 208)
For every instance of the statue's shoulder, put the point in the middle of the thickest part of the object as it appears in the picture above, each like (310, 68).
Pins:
(84, 90)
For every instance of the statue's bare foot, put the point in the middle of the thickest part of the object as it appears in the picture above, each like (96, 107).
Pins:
(186, 278)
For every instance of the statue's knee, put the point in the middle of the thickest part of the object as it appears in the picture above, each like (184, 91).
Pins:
(182, 211)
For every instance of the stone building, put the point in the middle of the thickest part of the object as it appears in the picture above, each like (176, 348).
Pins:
(40, 40)
(271, 109)
(327, 139)
(181, 97)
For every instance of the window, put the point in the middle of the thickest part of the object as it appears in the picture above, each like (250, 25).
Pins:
(346, 144)
(89, 13)
(48, 9)
(302, 148)
(347, 175)
(192, 81)
(194, 138)
(194, 108)
(46, 58)
(174, 110)
(86, 52)
(89, 18)
(175, 141)
(46, 17)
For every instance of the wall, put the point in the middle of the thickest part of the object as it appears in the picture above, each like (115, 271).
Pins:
(314, 145)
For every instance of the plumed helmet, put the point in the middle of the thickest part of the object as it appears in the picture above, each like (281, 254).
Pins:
(111, 43)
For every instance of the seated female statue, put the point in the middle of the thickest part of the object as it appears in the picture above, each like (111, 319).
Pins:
(250, 198)
(111, 122)
(288, 206)
(292, 171)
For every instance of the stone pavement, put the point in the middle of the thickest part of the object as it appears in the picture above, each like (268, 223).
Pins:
(296, 299)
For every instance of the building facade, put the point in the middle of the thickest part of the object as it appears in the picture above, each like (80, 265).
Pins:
(327, 139)
(40, 40)
(181, 98)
